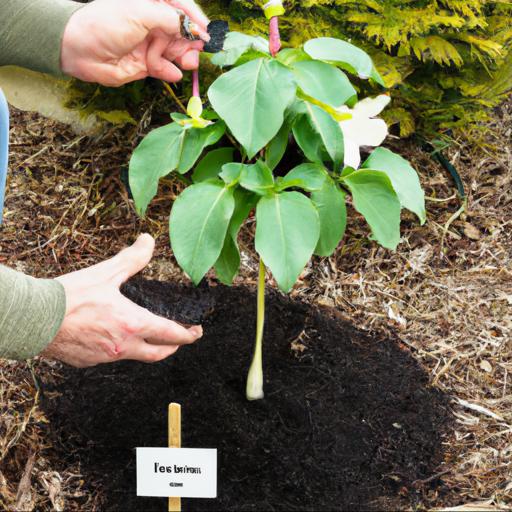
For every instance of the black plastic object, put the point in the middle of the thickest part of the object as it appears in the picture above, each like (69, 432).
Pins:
(218, 31)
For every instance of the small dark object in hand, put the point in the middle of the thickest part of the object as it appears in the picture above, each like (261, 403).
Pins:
(218, 31)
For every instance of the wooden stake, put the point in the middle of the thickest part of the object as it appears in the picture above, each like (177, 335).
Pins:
(174, 442)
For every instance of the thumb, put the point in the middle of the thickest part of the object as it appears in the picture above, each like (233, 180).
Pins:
(133, 259)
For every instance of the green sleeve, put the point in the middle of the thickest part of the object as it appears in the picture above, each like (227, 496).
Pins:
(31, 32)
(31, 313)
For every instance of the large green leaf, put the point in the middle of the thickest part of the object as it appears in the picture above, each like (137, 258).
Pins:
(169, 148)
(403, 177)
(344, 54)
(235, 45)
(156, 156)
(252, 99)
(228, 263)
(289, 56)
(377, 77)
(287, 231)
(308, 139)
(324, 82)
(375, 198)
(276, 148)
(211, 164)
(307, 176)
(329, 131)
(231, 172)
(196, 139)
(257, 178)
(295, 110)
(198, 224)
(346, 171)
(330, 203)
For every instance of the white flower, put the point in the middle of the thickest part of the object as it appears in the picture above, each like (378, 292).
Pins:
(362, 129)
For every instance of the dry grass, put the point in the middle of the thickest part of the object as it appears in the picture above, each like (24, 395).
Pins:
(446, 293)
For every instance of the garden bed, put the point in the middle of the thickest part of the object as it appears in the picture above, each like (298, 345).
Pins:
(445, 295)
(349, 421)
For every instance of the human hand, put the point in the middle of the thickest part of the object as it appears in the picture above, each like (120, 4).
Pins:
(113, 42)
(102, 326)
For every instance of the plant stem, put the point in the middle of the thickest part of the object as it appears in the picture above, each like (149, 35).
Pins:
(195, 83)
(274, 36)
(168, 88)
(254, 390)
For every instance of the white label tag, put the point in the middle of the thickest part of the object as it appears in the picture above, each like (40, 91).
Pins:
(179, 472)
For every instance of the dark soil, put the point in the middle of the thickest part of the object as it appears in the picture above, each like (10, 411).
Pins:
(348, 423)
(217, 30)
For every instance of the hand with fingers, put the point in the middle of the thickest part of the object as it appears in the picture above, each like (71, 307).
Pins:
(113, 42)
(102, 326)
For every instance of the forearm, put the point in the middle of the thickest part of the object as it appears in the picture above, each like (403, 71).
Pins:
(31, 32)
(31, 313)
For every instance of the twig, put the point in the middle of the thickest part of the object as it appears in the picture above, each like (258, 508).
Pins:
(417, 483)
(480, 409)
(24, 495)
(443, 370)
(440, 199)
(174, 97)
(454, 217)
(14, 440)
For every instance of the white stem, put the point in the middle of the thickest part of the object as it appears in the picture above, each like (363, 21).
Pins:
(254, 390)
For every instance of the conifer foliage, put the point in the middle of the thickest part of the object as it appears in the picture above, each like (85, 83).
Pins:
(447, 61)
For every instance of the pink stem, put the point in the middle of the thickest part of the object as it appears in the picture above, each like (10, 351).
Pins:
(195, 83)
(275, 38)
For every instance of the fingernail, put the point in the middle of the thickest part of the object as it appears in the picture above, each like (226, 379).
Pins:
(196, 331)
(194, 29)
(198, 32)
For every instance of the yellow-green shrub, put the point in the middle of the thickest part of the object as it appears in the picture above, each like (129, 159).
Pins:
(447, 61)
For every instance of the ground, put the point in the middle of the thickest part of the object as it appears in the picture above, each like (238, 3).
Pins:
(445, 295)
(349, 421)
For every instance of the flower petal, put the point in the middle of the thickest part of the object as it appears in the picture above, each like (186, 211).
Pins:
(375, 133)
(371, 107)
(364, 131)
(352, 157)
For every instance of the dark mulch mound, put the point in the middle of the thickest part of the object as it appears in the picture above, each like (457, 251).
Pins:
(349, 423)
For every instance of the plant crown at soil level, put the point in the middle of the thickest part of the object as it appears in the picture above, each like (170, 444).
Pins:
(236, 153)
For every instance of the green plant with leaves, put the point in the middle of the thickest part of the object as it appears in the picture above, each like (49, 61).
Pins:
(446, 62)
(269, 108)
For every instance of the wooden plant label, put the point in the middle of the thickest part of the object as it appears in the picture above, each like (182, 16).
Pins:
(176, 472)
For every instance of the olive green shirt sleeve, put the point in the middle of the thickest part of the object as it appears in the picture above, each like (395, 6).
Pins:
(31, 32)
(31, 313)
(31, 310)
